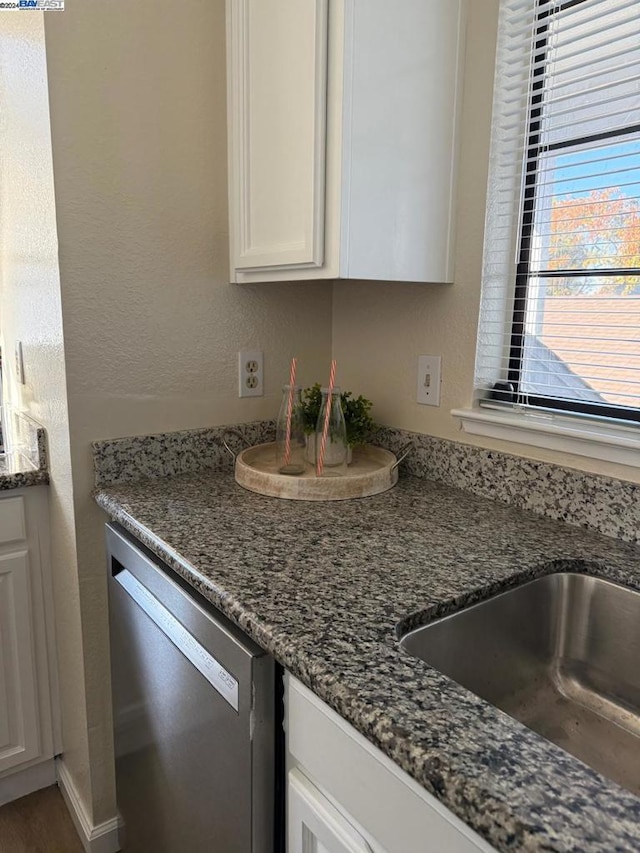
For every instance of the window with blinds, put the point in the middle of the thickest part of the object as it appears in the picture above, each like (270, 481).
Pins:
(560, 311)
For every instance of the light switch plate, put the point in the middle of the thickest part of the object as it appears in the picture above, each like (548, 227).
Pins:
(429, 376)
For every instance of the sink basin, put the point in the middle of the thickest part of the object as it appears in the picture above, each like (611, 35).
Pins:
(561, 654)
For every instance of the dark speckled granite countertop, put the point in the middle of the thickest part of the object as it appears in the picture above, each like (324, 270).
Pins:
(26, 464)
(16, 472)
(324, 586)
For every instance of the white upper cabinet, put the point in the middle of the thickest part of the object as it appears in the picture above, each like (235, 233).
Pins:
(343, 126)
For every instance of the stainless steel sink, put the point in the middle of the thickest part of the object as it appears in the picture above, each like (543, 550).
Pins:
(561, 654)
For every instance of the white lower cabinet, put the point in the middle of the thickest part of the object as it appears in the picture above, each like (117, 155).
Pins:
(19, 729)
(346, 796)
(29, 730)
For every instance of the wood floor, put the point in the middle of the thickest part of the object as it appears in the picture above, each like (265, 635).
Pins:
(39, 823)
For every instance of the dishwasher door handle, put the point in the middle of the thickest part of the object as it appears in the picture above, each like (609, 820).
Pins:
(217, 676)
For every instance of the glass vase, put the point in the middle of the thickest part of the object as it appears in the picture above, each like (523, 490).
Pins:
(331, 444)
(290, 438)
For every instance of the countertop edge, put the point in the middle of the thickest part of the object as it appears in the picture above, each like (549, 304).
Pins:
(22, 479)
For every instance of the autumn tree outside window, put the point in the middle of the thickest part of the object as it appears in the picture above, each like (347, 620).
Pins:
(563, 218)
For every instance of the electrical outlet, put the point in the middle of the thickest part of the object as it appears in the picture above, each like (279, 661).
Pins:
(19, 364)
(429, 375)
(250, 373)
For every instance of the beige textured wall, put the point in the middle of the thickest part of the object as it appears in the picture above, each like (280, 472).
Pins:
(152, 326)
(380, 329)
(30, 311)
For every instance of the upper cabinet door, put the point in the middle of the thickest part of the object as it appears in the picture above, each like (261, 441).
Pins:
(277, 104)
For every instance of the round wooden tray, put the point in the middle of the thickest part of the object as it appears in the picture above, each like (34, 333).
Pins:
(372, 471)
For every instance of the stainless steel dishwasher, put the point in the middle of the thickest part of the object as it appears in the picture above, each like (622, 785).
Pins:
(193, 709)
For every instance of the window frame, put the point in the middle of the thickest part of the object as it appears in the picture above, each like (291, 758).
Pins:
(524, 271)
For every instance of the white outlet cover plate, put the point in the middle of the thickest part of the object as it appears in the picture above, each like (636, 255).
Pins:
(429, 376)
(250, 373)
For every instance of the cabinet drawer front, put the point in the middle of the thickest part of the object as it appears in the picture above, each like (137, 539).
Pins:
(277, 69)
(12, 523)
(378, 795)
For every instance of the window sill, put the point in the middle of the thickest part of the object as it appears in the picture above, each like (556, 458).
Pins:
(595, 439)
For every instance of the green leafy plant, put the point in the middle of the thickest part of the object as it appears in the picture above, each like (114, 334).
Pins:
(357, 414)
(311, 402)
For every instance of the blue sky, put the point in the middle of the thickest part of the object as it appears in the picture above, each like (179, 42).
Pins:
(573, 169)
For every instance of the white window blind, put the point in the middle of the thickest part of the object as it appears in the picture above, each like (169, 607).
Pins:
(560, 310)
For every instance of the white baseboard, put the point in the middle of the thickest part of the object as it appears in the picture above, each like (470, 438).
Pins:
(102, 838)
(18, 784)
